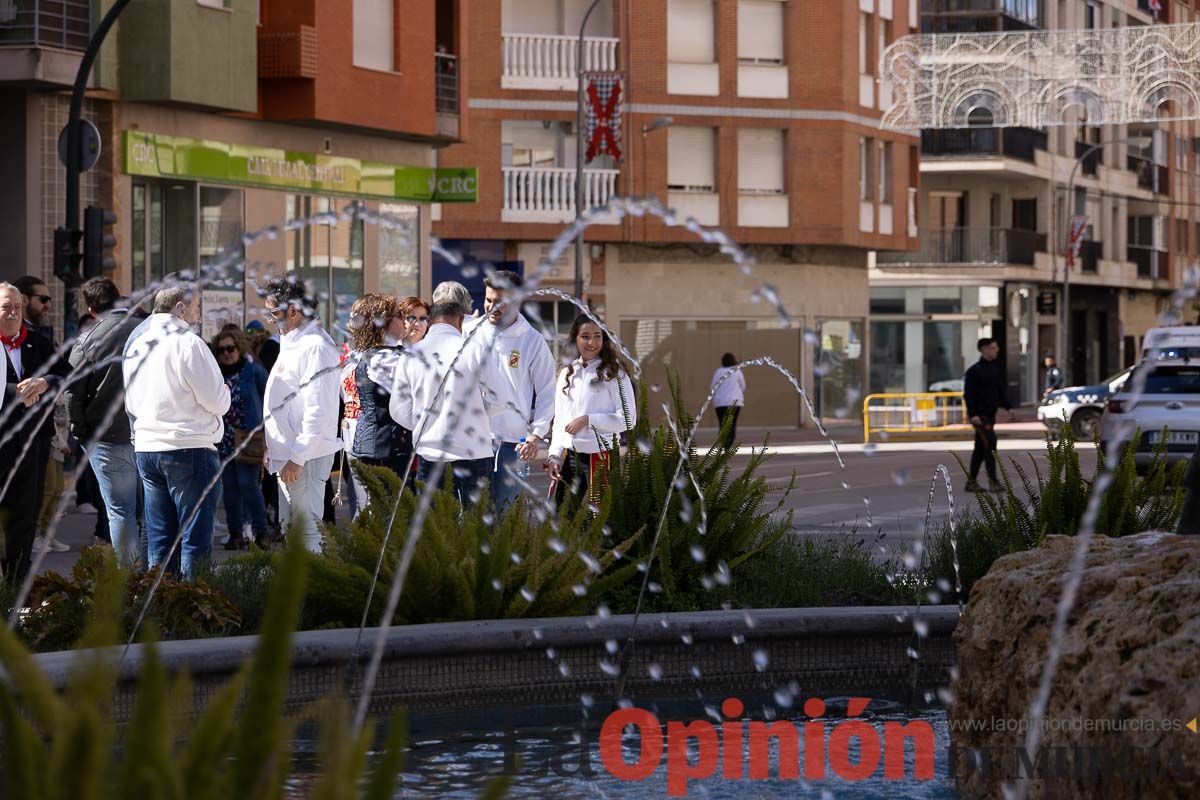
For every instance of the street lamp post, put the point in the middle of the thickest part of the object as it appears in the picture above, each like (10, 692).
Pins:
(1140, 141)
(579, 154)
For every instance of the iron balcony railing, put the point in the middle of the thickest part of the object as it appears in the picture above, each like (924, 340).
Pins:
(446, 80)
(1020, 143)
(970, 246)
(1150, 263)
(65, 24)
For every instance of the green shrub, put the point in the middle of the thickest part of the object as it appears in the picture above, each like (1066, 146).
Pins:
(692, 561)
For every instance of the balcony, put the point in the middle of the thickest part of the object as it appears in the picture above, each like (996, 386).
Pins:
(446, 95)
(42, 41)
(1089, 255)
(1150, 176)
(1020, 143)
(979, 16)
(284, 54)
(1091, 164)
(1151, 263)
(547, 61)
(970, 247)
(547, 194)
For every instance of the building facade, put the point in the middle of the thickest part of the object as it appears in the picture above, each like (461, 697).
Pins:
(757, 117)
(995, 208)
(221, 118)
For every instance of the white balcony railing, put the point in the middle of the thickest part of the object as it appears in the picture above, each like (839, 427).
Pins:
(548, 194)
(544, 61)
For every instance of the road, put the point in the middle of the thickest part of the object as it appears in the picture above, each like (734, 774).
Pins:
(894, 477)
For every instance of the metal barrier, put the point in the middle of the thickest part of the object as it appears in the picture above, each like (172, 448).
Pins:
(913, 412)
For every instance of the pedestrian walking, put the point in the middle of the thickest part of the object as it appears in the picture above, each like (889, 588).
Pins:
(445, 407)
(523, 402)
(243, 435)
(594, 403)
(96, 408)
(1054, 376)
(984, 394)
(301, 406)
(176, 398)
(31, 373)
(729, 395)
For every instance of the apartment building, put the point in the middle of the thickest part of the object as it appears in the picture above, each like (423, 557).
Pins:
(994, 215)
(220, 117)
(757, 117)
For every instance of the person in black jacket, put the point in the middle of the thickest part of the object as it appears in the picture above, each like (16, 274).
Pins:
(984, 394)
(97, 396)
(30, 374)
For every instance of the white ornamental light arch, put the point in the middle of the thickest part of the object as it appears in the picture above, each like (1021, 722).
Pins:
(1044, 78)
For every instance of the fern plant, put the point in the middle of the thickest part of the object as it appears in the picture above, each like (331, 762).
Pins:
(705, 535)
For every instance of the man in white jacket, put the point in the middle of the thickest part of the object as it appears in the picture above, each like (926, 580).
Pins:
(524, 372)
(444, 407)
(176, 398)
(301, 406)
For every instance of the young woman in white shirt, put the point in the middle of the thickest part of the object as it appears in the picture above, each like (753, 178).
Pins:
(594, 403)
(730, 396)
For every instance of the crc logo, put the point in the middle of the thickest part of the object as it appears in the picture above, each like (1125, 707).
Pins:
(142, 151)
(460, 184)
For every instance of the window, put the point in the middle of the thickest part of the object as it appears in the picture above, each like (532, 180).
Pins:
(690, 32)
(373, 35)
(885, 172)
(691, 159)
(760, 31)
(400, 249)
(760, 161)
(881, 39)
(1091, 16)
(328, 257)
(214, 3)
(1181, 235)
(864, 45)
(866, 172)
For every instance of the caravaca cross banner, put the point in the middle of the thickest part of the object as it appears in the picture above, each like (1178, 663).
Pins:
(159, 156)
(605, 104)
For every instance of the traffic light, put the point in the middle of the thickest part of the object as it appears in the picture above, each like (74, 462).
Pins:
(97, 243)
(66, 256)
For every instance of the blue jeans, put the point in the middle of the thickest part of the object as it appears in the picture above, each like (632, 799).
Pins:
(179, 501)
(244, 499)
(121, 491)
(468, 476)
(506, 483)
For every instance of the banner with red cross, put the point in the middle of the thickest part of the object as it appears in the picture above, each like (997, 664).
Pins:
(605, 104)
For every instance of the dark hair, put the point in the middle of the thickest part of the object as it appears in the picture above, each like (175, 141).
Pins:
(231, 332)
(984, 342)
(289, 290)
(100, 294)
(610, 365)
(503, 279)
(25, 284)
(728, 360)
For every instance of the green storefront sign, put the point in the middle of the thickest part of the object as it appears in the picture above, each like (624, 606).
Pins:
(156, 155)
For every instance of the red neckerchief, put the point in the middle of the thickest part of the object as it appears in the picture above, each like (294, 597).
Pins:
(13, 344)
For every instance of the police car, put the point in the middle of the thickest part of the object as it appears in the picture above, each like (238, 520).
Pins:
(1081, 407)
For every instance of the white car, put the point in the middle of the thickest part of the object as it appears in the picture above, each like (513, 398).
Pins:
(1159, 395)
(1079, 406)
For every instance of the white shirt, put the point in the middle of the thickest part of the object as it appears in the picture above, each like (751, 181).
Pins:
(174, 391)
(600, 401)
(453, 424)
(524, 389)
(301, 406)
(14, 357)
(732, 391)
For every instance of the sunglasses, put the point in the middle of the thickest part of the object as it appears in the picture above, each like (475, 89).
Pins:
(279, 312)
(45, 298)
(412, 319)
(227, 349)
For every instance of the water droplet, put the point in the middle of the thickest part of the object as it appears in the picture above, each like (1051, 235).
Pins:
(603, 612)
(738, 639)
(921, 628)
(496, 584)
(537, 634)
(761, 660)
(609, 668)
(943, 584)
(551, 653)
(485, 548)
(654, 588)
(686, 638)
(579, 590)
(655, 671)
(749, 620)
(516, 559)
(555, 544)
(611, 646)
(783, 698)
(913, 654)
(563, 669)
(697, 553)
(695, 671)
(527, 594)
(587, 700)
(592, 564)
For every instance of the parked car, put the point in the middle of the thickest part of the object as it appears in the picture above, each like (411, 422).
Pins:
(1079, 406)
(1168, 399)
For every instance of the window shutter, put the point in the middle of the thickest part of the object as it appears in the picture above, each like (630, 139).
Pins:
(760, 161)
(690, 32)
(760, 31)
(373, 34)
(691, 159)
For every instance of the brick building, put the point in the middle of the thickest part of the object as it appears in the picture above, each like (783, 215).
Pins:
(219, 117)
(774, 138)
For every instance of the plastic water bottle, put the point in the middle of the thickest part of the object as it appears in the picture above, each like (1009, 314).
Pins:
(524, 470)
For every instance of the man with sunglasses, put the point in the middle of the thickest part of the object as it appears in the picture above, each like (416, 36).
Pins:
(37, 299)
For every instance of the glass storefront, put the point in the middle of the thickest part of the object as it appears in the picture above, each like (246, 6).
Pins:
(329, 256)
(838, 368)
(400, 249)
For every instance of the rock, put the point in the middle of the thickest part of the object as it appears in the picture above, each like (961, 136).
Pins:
(1126, 686)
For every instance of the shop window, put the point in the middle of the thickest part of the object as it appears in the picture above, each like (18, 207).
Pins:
(838, 368)
(328, 254)
(400, 250)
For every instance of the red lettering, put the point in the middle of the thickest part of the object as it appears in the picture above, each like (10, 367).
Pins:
(679, 769)
(814, 740)
(613, 756)
(894, 736)
(760, 750)
(869, 744)
(731, 740)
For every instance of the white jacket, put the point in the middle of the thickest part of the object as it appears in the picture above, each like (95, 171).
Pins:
(301, 406)
(732, 392)
(454, 425)
(174, 391)
(599, 400)
(524, 385)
